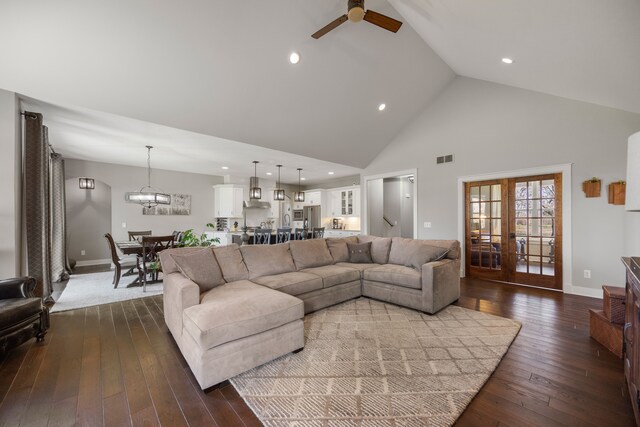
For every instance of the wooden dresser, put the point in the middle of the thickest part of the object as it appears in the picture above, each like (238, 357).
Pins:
(632, 333)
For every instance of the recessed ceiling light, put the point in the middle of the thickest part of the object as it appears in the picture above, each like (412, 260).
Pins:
(294, 58)
(225, 167)
(507, 60)
(303, 179)
(269, 173)
(381, 107)
(331, 173)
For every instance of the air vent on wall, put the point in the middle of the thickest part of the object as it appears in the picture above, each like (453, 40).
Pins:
(445, 159)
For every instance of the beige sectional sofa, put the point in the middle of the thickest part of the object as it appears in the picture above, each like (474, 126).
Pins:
(233, 308)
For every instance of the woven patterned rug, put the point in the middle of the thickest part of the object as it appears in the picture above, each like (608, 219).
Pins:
(371, 364)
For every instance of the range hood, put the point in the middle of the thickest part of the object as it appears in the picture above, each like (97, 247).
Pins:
(256, 204)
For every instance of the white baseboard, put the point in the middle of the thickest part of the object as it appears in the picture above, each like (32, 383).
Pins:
(583, 291)
(89, 262)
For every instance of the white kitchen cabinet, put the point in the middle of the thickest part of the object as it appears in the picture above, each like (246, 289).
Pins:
(345, 202)
(313, 197)
(228, 200)
(340, 233)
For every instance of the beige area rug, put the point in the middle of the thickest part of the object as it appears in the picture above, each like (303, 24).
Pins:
(86, 290)
(371, 364)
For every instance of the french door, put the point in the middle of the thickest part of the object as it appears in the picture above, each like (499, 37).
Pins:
(514, 230)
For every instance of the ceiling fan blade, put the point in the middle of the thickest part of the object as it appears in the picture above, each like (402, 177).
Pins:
(382, 21)
(333, 24)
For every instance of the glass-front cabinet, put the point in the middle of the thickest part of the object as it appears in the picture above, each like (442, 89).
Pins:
(345, 202)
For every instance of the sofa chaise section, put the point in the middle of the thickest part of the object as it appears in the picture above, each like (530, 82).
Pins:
(230, 328)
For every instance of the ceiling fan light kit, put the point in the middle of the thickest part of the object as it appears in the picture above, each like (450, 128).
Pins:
(357, 13)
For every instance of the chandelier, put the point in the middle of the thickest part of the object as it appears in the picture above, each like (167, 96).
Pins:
(148, 196)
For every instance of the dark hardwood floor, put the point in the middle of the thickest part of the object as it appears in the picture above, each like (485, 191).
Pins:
(117, 364)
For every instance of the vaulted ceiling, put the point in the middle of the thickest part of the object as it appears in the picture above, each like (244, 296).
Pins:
(220, 68)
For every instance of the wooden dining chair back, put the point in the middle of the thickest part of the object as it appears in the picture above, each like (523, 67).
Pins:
(137, 235)
(116, 260)
(318, 233)
(299, 234)
(151, 247)
(283, 235)
(262, 236)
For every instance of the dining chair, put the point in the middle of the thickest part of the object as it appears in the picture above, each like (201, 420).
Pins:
(318, 233)
(178, 237)
(262, 236)
(136, 235)
(151, 247)
(283, 235)
(299, 234)
(126, 262)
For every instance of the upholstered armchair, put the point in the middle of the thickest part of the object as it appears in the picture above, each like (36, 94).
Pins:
(22, 314)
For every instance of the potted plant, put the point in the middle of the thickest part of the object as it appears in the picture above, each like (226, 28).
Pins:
(591, 187)
(191, 239)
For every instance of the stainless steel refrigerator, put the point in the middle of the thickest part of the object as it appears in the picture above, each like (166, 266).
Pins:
(313, 216)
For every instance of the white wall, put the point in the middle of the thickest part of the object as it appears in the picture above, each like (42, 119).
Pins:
(10, 185)
(127, 178)
(493, 128)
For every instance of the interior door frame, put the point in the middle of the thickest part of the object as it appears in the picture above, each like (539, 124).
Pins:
(364, 212)
(565, 170)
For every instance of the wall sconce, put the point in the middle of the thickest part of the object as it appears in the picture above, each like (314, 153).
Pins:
(87, 183)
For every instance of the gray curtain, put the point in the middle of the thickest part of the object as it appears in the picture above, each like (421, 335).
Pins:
(36, 199)
(58, 248)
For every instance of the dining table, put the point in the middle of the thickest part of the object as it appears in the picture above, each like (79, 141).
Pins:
(132, 247)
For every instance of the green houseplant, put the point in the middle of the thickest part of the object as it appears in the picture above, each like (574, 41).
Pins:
(191, 239)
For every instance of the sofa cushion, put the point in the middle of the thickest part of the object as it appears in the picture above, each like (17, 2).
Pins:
(361, 267)
(360, 252)
(310, 253)
(452, 245)
(334, 275)
(393, 274)
(201, 267)
(424, 254)
(294, 283)
(16, 310)
(338, 247)
(168, 263)
(380, 247)
(237, 310)
(409, 252)
(267, 260)
(231, 263)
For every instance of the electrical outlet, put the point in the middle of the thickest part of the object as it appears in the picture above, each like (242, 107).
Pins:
(427, 225)
(124, 225)
(83, 252)
(587, 274)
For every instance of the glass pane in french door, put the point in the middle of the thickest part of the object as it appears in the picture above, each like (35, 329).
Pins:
(485, 226)
(535, 218)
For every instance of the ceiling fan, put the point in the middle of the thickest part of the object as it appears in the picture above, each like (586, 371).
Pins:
(356, 13)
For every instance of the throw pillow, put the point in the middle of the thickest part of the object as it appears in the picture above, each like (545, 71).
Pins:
(201, 267)
(360, 253)
(424, 254)
(380, 247)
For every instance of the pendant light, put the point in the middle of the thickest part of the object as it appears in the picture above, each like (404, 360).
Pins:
(148, 196)
(298, 196)
(255, 192)
(278, 193)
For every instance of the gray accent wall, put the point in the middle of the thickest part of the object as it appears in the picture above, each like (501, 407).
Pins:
(494, 128)
(122, 179)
